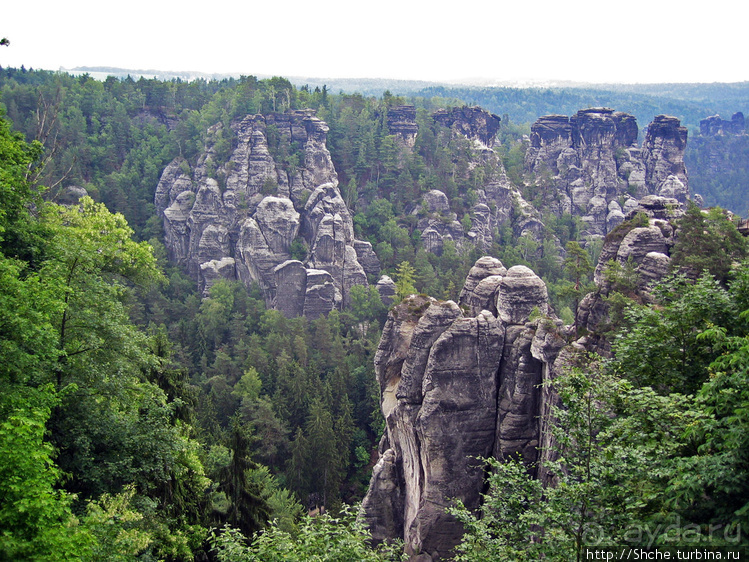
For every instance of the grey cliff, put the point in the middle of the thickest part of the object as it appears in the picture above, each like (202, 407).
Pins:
(590, 165)
(457, 383)
(240, 219)
(464, 381)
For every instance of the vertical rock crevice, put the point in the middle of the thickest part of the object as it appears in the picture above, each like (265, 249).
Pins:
(243, 228)
(457, 400)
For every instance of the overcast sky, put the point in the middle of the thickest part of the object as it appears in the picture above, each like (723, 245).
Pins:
(580, 40)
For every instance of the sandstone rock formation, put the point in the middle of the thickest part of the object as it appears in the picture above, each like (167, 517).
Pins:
(401, 121)
(498, 201)
(464, 381)
(589, 165)
(473, 123)
(386, 289)
(715, 126)
(239, 218)
(642, 250)
(457, 385)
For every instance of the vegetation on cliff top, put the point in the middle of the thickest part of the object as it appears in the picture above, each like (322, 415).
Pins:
(137, 416)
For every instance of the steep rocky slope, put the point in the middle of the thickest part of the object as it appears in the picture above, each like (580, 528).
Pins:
(457, 386)
(718, 160)
(498, 201)
(590, 165)
(271, 212)
(238, 219)
(463, 380)
(278, 191)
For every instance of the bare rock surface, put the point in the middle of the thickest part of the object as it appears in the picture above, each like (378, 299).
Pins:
(386, 288)
(463, 382)
(456, 385)
(587, 162)
(253, 207)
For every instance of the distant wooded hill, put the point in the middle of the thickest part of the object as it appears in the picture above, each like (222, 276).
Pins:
(690, 102)
(716, 168)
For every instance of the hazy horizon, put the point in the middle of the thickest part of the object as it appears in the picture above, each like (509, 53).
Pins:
(577, 41)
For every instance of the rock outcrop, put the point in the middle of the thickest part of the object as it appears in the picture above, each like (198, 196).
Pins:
(241, 218)
(498, 202)
(589, 165)
(464, 381)
(401, 121)
(458, 383)
(641, 247)
(473, 123)
(715, 126)
(386, 289)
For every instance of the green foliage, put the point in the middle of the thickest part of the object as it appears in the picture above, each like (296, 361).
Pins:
(614, 451)
(622, 278)
(28, 341)
(366, 303)
(298, 250)
(117, 527)
(19, 235)
(248, 509)
(66, 327)
(505, 529)
(324, 538)
(707, 242)
(711, 484)
(578, 269)
(404, 283)
(162, 404)
(661, 346)
(36, 518)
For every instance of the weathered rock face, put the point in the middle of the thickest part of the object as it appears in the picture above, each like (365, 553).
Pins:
(589, 165)
(465, 381)
(386, 289)
(238, 219)
(401, 122)
(480, 289)
(456, 385)
(644, 250)
(715, 126)
(438, 224)
(498, 201)
(473, 123)
(663, 154)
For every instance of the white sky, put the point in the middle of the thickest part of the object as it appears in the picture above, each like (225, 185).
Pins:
(580, 40)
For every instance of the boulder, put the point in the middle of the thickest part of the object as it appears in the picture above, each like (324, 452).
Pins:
(386, 288)
(520, 292)
(435, 201)
(479, 290)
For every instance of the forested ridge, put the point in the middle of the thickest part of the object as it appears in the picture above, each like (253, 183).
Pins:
(140, 421)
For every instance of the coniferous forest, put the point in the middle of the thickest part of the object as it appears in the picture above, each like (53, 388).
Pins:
(143, 420)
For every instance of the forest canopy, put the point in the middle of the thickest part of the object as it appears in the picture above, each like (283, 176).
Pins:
(143, 420)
